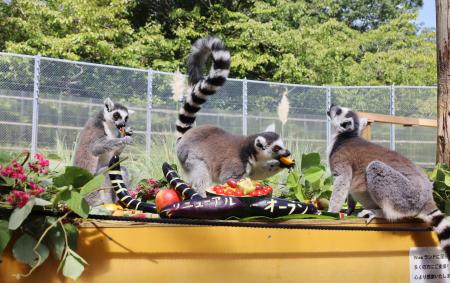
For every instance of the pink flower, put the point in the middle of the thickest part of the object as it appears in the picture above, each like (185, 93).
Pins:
(19, 198)
(133, 193)
(151, 181)
(15, 171)
(35, 189)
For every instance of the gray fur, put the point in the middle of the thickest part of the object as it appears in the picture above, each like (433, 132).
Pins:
(99, 141)
(390, 189)
(210, 154)
(386, 183)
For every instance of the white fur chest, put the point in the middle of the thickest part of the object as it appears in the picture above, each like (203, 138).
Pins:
(110, 130)
(261, 169)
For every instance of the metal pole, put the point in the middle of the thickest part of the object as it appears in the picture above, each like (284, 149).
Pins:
(148, 141)
(392, 112)
(244, 107)
(328, 105)
(35, 119)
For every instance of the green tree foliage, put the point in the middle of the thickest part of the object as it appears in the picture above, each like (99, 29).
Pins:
(338, 42)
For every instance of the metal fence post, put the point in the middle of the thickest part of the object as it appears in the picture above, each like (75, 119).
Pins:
(392, 112)
(35, 117)
(244, 107)
(148, 140)
(328, 105)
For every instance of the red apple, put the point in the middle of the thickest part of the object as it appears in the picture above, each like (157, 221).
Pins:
(166, 197)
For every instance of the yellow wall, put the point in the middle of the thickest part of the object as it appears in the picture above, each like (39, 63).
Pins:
(158, 253)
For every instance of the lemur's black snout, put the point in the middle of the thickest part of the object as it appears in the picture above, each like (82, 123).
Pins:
(286, 153)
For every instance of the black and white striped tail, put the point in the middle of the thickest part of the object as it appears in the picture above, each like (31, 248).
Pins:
(203, 87)
(441, 226)
(180, 186)
(115, 175)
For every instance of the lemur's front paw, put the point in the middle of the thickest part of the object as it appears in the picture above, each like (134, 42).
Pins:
(127, 140)
(128, 131)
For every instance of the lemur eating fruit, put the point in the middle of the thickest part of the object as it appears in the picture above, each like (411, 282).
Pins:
(103, 136)
(208, 153)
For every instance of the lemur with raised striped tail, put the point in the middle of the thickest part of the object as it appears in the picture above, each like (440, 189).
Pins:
(387, 184)
(208, 153)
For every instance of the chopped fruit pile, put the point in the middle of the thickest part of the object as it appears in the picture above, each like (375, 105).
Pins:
(242, 187)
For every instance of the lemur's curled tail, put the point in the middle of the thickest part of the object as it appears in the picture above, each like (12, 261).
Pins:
(202, 87)
(441, 226)
(115, 175)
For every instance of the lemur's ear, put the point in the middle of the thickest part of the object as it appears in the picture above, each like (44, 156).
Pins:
(270, 128)
(362, 123)
(260, 142)
(131, 111)
(346, 125)
(109, 105)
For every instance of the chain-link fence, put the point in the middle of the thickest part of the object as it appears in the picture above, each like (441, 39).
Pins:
(45, 103)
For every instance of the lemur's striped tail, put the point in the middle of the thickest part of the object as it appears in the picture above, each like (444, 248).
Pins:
(441, 226)
(115, 175)
(180, 186)
(201, 87)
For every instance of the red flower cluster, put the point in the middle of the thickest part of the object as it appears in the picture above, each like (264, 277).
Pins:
(19, 198)
(24, 188)
(40, 165)
(15, 171)
(146, 191)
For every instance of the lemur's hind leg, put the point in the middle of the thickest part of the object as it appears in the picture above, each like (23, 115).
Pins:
(199, 176)
(393, 192)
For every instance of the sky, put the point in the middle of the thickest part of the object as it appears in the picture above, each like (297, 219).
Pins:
(427, 15)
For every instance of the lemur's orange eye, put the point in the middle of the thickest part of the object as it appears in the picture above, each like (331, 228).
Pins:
(276, 148)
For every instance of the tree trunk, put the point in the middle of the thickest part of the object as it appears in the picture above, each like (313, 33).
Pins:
(443, 134)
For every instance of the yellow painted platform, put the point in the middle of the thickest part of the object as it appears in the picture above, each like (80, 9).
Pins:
(133, 253)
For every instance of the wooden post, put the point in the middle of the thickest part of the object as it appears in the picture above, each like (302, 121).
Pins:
(443, 103)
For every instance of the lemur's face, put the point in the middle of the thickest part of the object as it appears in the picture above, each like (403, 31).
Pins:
(115, 114)
(269, 146)
(343, 119)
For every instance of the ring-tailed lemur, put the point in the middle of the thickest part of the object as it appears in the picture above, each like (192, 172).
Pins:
(208, 153)
(386, 183)
(99, 141)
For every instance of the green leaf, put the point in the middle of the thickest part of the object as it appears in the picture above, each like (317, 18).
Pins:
(6, 157)
(72, 235)
(56, 242)
(42, 202)
(20, 214)
(73, 266)
(92, 185)
(5, 235)
(292, 180)
(75, 176)
(311, 159)
(299, 193)
(23, 250)
(447, 180)
(75, 202)
(313, 174)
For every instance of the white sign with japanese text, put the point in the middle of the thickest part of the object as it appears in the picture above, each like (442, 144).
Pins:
(428, 264)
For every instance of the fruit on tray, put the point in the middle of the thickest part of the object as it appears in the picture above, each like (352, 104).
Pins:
(287, 161)
(166, 197)
(240, 188)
